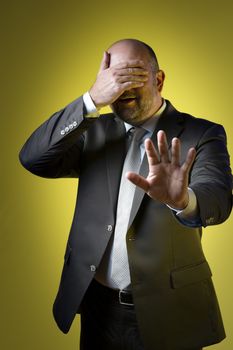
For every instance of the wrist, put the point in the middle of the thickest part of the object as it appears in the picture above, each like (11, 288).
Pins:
(182, 204)
(95, 100)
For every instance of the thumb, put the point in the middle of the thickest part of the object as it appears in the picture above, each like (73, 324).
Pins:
(105, 61)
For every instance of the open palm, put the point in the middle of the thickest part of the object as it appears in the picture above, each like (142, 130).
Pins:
(167, 180)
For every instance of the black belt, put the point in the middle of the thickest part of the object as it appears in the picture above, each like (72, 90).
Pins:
(123, 297)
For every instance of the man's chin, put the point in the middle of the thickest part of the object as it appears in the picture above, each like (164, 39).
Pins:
(132, 120)
(128, 115)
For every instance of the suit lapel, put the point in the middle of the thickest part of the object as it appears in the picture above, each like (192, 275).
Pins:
(115, 155)
(172, 122)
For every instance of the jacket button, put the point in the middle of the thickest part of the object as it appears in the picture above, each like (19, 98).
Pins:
(92, 268)
(109, 228)
(62, 132)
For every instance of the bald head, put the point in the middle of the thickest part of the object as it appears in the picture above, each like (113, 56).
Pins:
(136, 49)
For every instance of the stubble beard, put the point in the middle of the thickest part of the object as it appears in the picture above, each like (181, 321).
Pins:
(133, 115)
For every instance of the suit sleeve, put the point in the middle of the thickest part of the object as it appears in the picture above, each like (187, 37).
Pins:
(211, 178)
(55, 148)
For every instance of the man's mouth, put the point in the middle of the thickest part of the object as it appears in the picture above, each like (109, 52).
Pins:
(127, 98)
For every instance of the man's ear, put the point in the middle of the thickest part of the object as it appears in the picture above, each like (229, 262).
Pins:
(160, 77)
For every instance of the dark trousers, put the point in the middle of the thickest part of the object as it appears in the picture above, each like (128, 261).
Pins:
(106, 324)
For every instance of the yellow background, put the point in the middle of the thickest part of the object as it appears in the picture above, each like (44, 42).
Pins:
(50, 53)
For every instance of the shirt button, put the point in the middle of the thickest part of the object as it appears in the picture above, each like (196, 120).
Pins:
(109, 228)
(92, 268)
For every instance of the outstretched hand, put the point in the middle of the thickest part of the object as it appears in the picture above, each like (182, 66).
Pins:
(167, 180)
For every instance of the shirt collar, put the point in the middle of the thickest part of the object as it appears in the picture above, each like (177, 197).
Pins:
(149, 125)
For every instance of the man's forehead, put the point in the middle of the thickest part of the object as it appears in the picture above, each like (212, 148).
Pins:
(122, 52)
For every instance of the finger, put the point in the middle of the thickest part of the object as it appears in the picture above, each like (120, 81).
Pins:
(175, 151)
(105, 61)
(152, 155)
(189, 160)
(138, 180)
(125, 78)
(163, 146)
(131, 85)
(130, 64)
(132, 71)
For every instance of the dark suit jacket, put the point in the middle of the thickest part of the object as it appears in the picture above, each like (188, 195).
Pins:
(173, 293)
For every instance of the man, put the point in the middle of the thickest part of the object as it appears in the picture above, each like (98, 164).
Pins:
(134, 266)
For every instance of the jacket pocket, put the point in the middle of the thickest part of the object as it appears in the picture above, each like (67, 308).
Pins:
(190, 274)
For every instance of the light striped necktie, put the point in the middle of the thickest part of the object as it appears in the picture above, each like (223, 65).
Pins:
(120, 275)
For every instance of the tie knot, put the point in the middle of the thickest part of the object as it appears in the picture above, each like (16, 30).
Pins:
(137, 133)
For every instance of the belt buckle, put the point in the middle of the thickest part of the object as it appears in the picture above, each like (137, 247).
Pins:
(122, 292)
